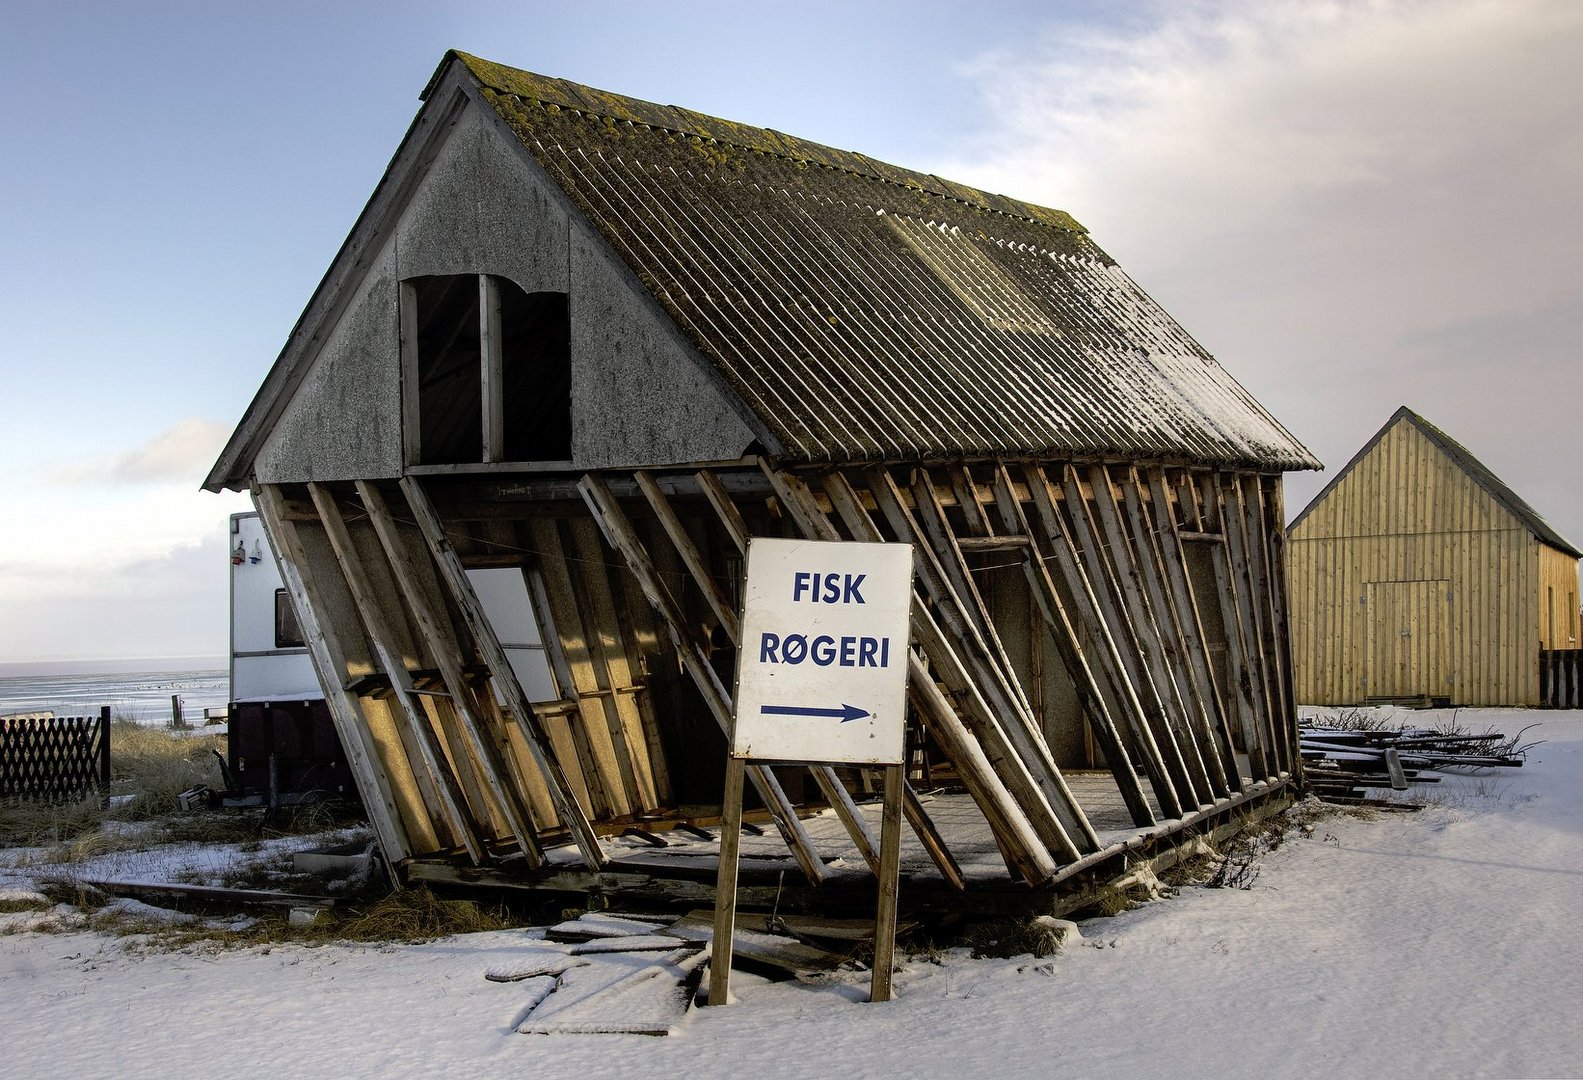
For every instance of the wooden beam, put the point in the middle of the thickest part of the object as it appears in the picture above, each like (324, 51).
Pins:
(1090, 598)
(416, 735)
(505, 679)
(492, 368)
(1275, 513)
(931, 514)
(691, 557)
(1197, 694)
(928, 835)
(1070, 647)
(612, 520)
(411, 375)
(1174, 559)
(329, 662)
(1054, 810)
(983, 762)
(612, 672)
(1237, 621)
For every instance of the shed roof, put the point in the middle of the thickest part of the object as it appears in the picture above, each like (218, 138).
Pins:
(867, 312)
(860, 311)
(1463, 458)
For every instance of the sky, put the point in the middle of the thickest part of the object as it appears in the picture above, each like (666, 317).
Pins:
(1354, 206)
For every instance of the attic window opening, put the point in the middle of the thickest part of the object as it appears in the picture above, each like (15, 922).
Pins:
(487, 371)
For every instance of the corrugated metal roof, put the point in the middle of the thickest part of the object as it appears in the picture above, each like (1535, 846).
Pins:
(865, 312)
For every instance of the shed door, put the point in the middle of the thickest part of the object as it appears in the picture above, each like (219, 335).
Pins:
(1408, 652)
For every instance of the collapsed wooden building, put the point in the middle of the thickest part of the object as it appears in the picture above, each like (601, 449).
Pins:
(582, 347)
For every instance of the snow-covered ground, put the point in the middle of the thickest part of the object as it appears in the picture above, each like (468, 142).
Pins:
(1445, 943)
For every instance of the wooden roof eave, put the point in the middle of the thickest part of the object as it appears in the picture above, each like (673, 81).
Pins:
(452, 88)
(421, 144)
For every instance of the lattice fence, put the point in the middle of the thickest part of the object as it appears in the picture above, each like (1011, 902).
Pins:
(55, 757)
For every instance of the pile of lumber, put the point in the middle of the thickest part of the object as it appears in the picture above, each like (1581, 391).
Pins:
(1343, 764)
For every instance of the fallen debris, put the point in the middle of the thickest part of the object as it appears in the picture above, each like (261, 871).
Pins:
(1343, 763)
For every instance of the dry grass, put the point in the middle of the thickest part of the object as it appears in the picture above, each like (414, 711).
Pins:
(155, 765)
(151, 765)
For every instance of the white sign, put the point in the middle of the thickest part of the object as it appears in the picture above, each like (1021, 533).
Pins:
(822, 670)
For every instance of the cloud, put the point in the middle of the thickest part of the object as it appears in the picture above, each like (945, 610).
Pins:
(1353, 205)
(174, 603)
(181, 453)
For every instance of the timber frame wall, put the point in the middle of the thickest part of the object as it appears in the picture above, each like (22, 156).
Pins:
(1159, 587)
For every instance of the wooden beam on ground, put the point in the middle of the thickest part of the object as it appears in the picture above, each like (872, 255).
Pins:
(1070, 646)
(505, 678)
(416, 735)
(329, 661)
(612, 520)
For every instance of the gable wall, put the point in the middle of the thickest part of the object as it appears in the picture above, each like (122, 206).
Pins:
(639, 397)
(1409, 532)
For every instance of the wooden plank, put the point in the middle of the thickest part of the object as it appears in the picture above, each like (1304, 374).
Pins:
(928, 835)
(587, 727)
(439, 785)
(613, 522)
(889, 880)
(1070, 647)
(1237, 615)
(937, 527)
(613, 673)
(445, 652)
(488, 645)
(330, 664)
(691, 557)
(1054, 811)
(492, 375)
(1244, 537)
(1185, 602)
(1086, 596)
(1197, 698)
(725, 509)
(411, 375)
(1132, 584)
(726, 885)
(1108, 593)
(970, 755)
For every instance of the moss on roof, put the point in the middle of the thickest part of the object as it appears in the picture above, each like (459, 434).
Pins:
(527, 86)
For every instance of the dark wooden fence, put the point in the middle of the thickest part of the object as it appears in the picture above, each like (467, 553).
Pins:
(54, 757)
(1561, 678)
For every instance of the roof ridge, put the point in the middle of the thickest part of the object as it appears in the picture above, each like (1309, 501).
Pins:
(608, 105)
(1480, 473)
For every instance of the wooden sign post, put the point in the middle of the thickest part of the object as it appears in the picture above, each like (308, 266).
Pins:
(821, 679)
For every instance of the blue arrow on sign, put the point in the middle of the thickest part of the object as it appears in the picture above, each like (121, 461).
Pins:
(845, 712)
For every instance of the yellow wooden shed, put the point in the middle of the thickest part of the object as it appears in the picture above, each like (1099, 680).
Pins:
(1417, 575)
